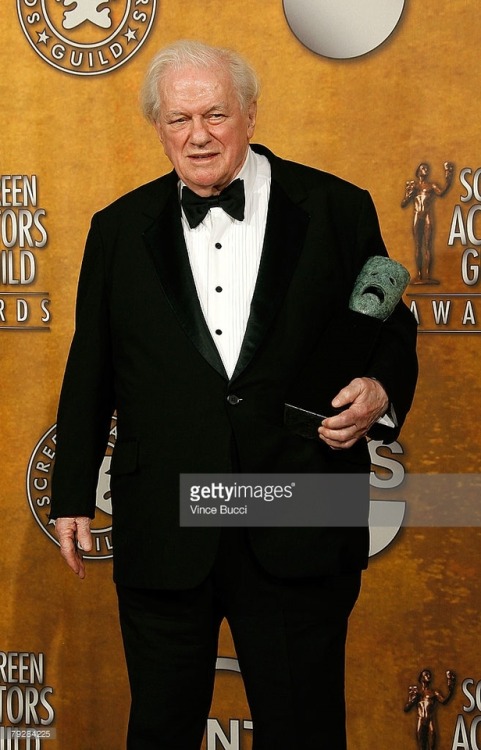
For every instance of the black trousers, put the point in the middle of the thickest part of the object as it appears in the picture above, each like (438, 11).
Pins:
(289, 638)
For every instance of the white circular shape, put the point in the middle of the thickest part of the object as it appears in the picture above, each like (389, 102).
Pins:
(342, 29)
(385, 520)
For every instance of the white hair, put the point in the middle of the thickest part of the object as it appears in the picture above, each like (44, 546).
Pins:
(184, 53)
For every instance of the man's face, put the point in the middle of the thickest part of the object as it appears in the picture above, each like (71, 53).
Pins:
(203, 129)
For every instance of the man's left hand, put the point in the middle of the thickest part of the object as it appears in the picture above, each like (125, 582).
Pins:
(368, 402)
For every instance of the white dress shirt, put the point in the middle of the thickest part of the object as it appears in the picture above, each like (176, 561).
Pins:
(224, 256)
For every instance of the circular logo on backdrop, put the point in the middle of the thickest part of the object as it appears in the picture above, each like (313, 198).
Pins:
(39, 483)
(86, 37)
(343, 28)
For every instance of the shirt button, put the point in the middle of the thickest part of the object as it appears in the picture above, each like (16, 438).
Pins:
(218, 245)
(233, 400)
(218, 332)
(218, 289)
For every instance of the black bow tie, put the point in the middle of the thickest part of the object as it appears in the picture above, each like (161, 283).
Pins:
(231, 199)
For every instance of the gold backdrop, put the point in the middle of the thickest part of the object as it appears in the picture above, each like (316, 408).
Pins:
(371, 120)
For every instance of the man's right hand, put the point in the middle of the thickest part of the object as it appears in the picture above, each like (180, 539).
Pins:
(74, 536)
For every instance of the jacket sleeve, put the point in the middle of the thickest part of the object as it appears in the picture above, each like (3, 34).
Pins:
(393, 360)
(87, 396)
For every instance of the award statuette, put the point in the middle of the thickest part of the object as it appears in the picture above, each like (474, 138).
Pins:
(379, 287)
(344, 349)
(421, 192)
(426, 699)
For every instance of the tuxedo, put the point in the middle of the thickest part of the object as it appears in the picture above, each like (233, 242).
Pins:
(142, 348)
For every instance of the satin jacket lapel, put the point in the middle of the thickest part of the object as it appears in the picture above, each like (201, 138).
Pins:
(283, 242)
(166, 243)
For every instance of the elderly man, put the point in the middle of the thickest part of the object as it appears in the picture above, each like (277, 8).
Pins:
(234, 265)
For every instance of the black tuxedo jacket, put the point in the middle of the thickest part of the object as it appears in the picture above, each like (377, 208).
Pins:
(142, 348)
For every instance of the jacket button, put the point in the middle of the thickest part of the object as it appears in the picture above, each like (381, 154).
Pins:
(233, 399)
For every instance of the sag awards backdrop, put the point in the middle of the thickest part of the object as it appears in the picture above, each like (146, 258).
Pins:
(384, 93)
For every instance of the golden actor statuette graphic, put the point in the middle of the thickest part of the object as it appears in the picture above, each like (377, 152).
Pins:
(421, 193)
(426, 699)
